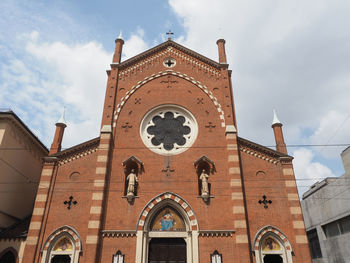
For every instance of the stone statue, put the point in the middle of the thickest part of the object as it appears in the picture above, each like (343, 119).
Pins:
(205, 186)
(132, 180)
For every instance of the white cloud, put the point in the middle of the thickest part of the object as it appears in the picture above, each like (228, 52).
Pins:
(291, 55)
(334, 128)
(54, 74)
(135, 44)
(50, 75)
(307, 170)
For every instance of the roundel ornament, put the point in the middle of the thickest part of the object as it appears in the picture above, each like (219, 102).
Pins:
(168, 129)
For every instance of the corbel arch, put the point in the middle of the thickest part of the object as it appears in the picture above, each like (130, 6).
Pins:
(184, 76)
(285, 249)
(60, 233)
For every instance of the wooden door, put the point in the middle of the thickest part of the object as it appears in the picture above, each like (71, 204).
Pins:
(167, 250)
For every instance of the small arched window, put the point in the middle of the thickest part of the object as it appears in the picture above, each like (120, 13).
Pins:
(216, 257)
(118, 257)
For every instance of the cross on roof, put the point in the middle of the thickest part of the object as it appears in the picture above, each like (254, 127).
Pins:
(169, 33)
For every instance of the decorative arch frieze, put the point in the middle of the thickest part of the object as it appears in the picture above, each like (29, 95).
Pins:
(271, 236)
(174, 73)
(274, 230)
(60, 231)
(153, 204)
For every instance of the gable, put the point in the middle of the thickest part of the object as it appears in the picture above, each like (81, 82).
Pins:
(165, 50)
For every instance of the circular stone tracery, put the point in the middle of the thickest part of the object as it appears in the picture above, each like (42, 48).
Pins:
(168, 129)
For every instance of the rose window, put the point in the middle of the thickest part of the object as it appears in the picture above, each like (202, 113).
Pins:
(168, 129)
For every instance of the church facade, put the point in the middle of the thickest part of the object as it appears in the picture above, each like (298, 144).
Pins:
(168, 179)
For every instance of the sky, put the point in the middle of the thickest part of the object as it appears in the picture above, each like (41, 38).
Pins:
(292, 56)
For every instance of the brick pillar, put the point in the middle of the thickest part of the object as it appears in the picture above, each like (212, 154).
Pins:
(57, 140)
(300, 242)
(118, 50)
(222, 52)
(40, 211)
(93, 238)
(98, 195)
(238, 205)
(280, 144)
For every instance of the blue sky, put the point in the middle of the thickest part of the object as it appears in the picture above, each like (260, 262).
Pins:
(293, 56)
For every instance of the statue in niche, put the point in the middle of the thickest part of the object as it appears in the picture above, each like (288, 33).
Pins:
(205, 185)
(132, 180)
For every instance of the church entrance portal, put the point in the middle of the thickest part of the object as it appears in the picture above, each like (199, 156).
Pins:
(167, 250)
(273, 259)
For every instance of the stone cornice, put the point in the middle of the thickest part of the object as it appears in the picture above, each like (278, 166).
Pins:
(77, 151)
(118, 233)
(164, 45)
(262, 152)
(216, 233)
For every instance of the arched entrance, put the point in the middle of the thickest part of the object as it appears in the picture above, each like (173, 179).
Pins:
(167, 250)
(272, 246)
(62, 246)
(167, 231)
(8, 257)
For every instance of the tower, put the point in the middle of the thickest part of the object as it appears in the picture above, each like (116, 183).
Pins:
(168, 179)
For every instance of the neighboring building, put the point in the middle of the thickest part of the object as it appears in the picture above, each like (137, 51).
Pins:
(326, 209)
(21, 154)
(168, 179)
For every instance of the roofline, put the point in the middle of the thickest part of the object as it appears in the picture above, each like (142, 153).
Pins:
(76, 147)
(170, 42)
(14, 115)
(264, 148)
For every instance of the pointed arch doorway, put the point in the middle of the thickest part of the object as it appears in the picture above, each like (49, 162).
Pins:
(167, 231)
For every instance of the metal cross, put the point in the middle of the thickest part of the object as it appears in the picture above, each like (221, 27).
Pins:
(70, 202)
(265, 202)
(169, 33)
(168, 170)
(169, 63)
(210, 126)
(169, 81)
(127, 126)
